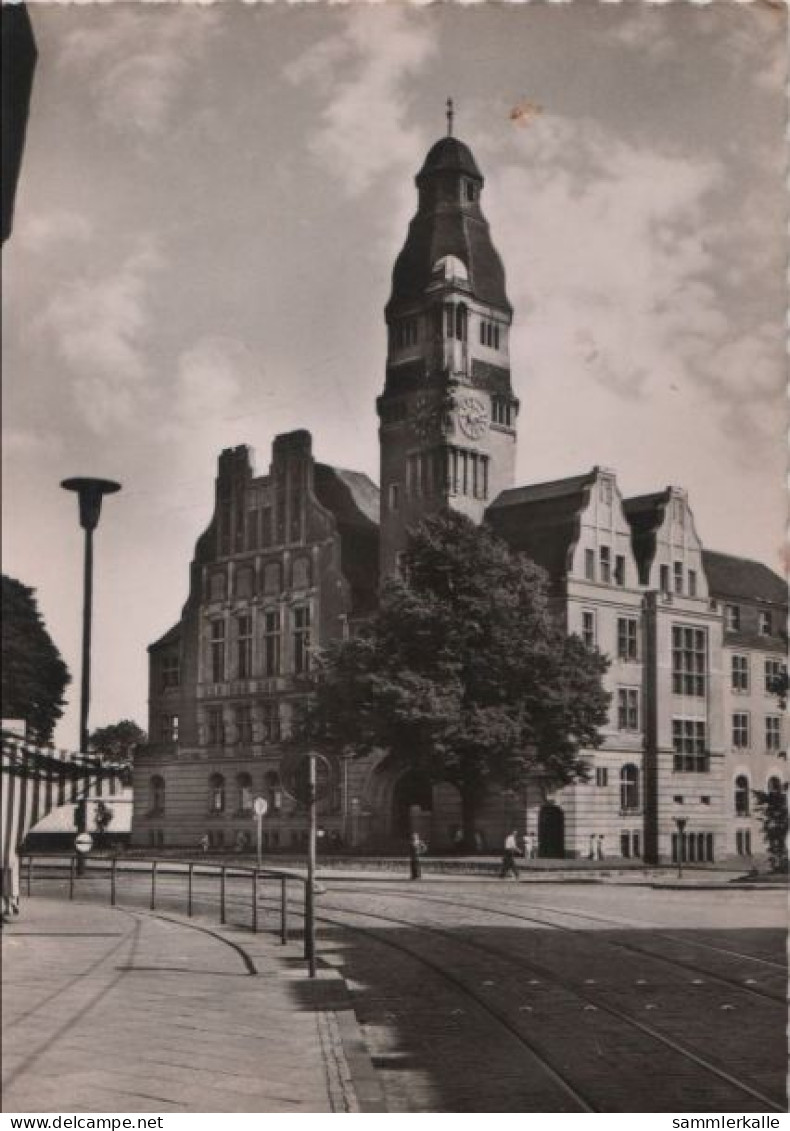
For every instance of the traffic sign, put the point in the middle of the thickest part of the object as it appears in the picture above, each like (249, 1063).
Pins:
(260, 806)
(83, 842)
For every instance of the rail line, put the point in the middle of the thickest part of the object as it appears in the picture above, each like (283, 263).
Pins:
(569, 985)
(755, 991)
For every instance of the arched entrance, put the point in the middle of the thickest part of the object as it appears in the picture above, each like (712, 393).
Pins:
(410, 790)
(551, 831)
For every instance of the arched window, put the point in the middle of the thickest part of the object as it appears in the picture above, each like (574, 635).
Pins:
(742, 796)
(244, 784)
(274, 793)
(216, 794)
(774, 785)
(156, 787)
(629, 787)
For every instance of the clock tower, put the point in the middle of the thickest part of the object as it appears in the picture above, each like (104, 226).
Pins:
(447, 414)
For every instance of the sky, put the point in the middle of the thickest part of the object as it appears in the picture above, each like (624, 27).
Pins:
(211, 202)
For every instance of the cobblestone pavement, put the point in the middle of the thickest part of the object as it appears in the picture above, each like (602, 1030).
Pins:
(111, 1010)
(506, 997)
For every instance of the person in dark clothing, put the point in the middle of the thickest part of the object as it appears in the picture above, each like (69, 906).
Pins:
(416, 849)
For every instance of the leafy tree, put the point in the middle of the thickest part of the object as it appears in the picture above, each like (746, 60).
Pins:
(34, 675)
(464, 674)
(771, 806)
(118, 741)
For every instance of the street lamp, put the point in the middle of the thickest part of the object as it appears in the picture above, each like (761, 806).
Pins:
(89, 493)
(681, 823)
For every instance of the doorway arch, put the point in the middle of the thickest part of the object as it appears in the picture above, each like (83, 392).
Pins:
(411, 789)
(551, 831)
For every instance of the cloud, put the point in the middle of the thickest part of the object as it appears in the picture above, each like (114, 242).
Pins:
(210, 379)
(135, 63)
(363, 75)
(98, 328)
(40, 233)
(624, 253)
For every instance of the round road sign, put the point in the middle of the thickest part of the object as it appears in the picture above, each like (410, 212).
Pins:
(260, 806)
(84, 842)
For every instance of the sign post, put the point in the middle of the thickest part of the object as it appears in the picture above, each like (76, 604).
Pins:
(260, 807)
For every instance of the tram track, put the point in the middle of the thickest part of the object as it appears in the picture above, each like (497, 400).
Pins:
(693, 968)
(568, 985)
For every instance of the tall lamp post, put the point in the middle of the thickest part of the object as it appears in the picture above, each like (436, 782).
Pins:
(89, 494)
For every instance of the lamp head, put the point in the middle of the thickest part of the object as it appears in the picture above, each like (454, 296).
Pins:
(90, 493)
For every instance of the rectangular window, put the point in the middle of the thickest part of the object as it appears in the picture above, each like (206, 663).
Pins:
(689, 660)
(244, 647)
(677, 573)
(740, 673)
(169, 730)
(605, 561)
(271, 643)
(627, 639)
(774, 669)
(171, 672)
(765, 624)
(732, 618)
(215, 727)
(244, 724)
(743, 842)
(271, 720)
(627, 708)
(619, 570)
(740, 730)
(602, 776)
(301, 638)
(589, 565)
(217, 651)
(588, 627)
(663, 575)
(689, 742)
(773, 732)
(692, 583)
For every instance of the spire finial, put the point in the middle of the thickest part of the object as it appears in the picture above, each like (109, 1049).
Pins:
(450, 116)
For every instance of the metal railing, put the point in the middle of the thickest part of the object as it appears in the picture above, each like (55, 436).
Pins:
(222, 889)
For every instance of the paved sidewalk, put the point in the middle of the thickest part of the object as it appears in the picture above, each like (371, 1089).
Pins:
(114, 1010)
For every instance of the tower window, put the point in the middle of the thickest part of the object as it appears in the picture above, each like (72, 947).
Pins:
(460, 323)
(489, 334)
(217, 652)
(501, 411)
(469, 190)
(394, 496)
(405, 333)
(271, 643)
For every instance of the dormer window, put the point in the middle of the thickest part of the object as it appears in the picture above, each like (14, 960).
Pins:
(732, 618)
(765, 624)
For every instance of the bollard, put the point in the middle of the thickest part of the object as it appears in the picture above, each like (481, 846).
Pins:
(283, 910)
(222, 895)
(113, 864)
(153, 885)
(255, 901)
(189, 890)
(72, 868)
(29, 874)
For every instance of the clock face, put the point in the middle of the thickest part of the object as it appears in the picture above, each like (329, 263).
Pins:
(472, 417)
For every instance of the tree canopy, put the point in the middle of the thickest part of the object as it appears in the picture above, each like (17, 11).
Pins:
(464, 674)
(118, 741)
(34, 675)
(771, 807)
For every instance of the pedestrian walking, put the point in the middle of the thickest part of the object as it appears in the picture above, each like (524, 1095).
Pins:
(417, 848)
(509, 856)
(600, 847)
(593, 842)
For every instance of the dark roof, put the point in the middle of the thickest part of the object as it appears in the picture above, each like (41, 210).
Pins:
(353, 499)
(730, 576)
(645, 513)
(448, 227)
(172, 636)
(543, 519)
(449, 155)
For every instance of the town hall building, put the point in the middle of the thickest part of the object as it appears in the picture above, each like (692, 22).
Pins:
(292, 559)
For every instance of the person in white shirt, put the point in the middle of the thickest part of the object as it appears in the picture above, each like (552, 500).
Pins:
(509, 856)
